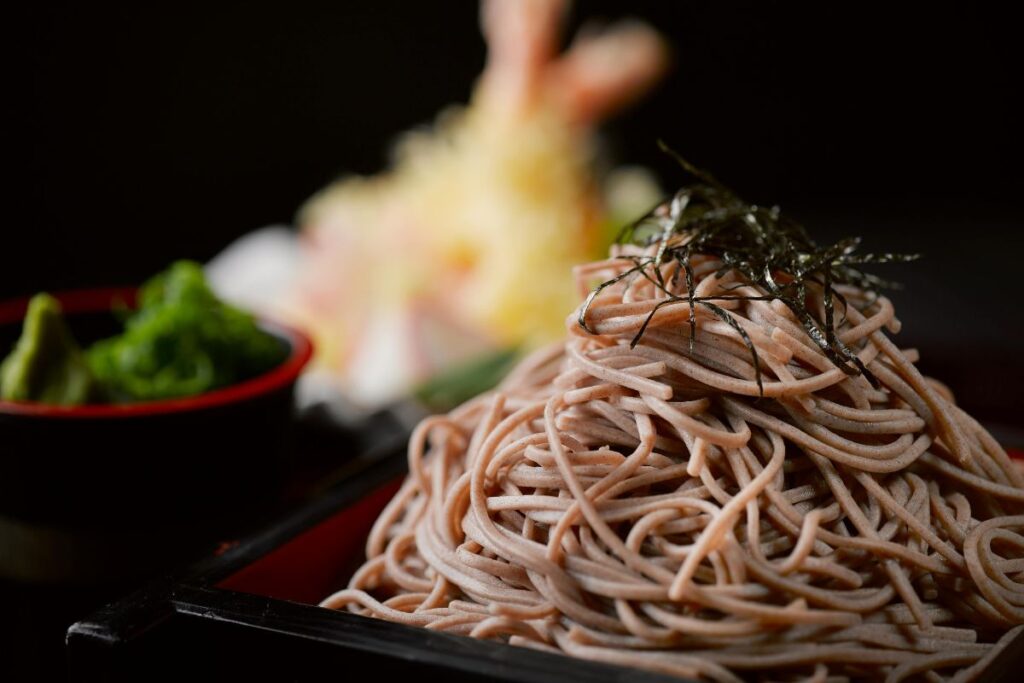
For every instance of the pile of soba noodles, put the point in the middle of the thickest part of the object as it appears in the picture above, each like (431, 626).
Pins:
(727, 471)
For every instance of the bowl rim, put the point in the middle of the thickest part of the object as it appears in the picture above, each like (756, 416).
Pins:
(97, 300)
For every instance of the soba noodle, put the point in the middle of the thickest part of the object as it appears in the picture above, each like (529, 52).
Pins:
(647, 506)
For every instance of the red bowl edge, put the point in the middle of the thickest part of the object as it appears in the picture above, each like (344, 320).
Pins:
(90, 300)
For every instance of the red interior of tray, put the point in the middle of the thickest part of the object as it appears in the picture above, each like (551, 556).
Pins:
(318, 561)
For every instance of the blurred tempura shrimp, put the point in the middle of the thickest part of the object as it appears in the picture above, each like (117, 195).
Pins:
(466, 244)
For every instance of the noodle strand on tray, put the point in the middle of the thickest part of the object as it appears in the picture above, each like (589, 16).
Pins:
(669, 503)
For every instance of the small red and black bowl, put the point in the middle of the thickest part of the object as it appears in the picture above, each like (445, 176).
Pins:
(97, 493)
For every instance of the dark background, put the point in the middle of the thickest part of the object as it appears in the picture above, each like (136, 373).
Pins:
(145, 132)
(155, 131)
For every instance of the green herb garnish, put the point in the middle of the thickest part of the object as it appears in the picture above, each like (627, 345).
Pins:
(450, 388)
(770, 251)
(181, 341)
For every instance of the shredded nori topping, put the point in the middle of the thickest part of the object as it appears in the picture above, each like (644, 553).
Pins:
(768, 249)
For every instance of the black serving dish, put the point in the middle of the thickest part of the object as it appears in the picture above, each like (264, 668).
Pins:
(250, 613)
(95, 493)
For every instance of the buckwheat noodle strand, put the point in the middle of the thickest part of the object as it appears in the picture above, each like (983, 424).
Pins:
(649, 505)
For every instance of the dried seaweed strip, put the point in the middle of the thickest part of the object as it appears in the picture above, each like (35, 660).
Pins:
(768, 250)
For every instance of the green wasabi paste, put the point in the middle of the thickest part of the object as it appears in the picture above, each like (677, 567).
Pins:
(46, 365)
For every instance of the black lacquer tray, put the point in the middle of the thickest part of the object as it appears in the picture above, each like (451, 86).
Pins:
(249, 613)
